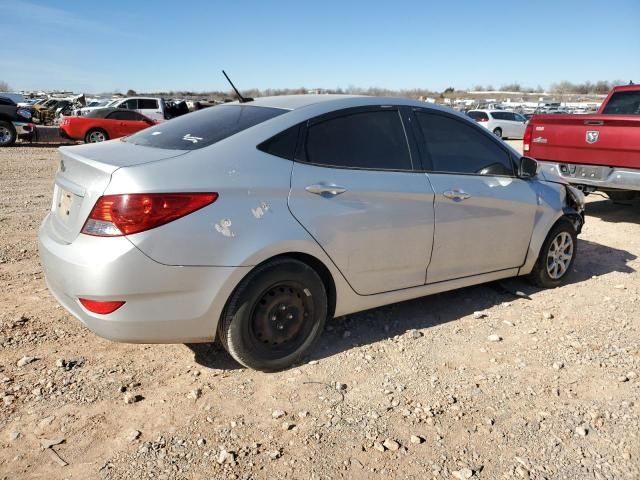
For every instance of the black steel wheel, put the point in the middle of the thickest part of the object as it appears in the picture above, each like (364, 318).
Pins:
(275, 315)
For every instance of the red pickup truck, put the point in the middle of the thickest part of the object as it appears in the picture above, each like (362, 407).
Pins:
(593, 152)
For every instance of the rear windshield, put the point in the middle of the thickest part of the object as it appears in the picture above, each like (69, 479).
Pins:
(204, 127)
(478, 116)
(623, 103)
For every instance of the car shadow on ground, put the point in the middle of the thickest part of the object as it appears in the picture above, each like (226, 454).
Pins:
(607, 211)
(371, 326)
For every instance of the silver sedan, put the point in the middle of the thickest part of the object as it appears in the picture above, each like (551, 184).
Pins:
(255, 222)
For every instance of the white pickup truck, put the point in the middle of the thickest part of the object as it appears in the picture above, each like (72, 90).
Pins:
(151, 107)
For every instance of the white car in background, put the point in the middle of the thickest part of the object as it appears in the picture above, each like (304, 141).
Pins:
(502, 123)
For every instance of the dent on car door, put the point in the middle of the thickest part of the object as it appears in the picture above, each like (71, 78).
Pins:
(353, 189)
(484, 213)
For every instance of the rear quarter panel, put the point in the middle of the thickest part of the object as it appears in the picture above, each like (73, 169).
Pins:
(563, 138)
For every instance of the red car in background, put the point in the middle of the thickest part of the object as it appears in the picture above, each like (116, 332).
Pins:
(104, 124)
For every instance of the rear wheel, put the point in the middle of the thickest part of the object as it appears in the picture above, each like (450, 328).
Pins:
(7, 134)
(556, 256)
(497, 132)
(274, 316)
(96, 135)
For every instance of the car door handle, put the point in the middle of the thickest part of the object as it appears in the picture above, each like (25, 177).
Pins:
(321, 189)
(456, 194)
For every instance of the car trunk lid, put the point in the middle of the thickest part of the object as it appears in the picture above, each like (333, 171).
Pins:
(84, 174)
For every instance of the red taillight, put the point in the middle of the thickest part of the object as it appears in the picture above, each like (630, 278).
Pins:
(115, 215)
(526, 139)
(103, 308)
(482, 119)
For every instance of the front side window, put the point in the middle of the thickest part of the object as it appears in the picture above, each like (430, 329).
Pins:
(623, 103)
(124, 115)
(373, 139)
(130, 104)
(203, 127)
(455, 146)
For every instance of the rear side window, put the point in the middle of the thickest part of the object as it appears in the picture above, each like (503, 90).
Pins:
(500, 115)
(204, 127)
(623, 103)
(369, 140)
(477, 116)
(454, 146)
(147, 103)
(282, 145)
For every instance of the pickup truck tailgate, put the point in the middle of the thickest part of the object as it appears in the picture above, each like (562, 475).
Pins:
(587, 139)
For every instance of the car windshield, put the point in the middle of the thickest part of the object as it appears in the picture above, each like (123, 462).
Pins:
(203, 128)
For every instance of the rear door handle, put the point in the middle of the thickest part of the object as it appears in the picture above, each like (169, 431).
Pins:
(456, 194)
(321, 189)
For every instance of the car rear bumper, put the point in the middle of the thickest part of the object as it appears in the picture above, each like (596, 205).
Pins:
(24, 130)
(599, 177)
(164, 304)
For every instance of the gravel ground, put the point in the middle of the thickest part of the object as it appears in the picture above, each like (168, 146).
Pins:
(412, 390)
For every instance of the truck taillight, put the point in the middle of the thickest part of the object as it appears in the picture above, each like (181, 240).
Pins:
(528, 135)
(116, 215)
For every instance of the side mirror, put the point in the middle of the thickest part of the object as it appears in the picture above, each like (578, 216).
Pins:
(528, 167)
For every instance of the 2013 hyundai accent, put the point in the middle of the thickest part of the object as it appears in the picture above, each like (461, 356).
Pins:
(255, 222)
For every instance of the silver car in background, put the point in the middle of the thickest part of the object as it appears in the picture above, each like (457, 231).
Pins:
(255, 222)
(502, 123)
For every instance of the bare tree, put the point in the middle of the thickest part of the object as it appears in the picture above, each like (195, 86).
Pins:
(4, 86)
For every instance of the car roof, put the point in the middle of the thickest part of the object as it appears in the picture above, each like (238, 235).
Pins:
(296, 102)
(103, 112)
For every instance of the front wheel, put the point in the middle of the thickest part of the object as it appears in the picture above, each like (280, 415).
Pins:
(7, 134)
(274, 316)
(556, 256)
(497, 132)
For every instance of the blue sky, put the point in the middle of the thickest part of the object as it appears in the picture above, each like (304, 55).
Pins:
(170, 45)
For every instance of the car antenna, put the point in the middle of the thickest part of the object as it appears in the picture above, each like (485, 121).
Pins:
(241, 99)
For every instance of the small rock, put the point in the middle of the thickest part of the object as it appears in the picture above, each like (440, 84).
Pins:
(378, 446)
(313, 362)
(195, 394)
(479, 314)
(416, 334)
(303, 414)
(416, 439)
(463, 474)
(391, 444)
(134, 435)
(494, 338)
(201, 442)
(620, 286)
(509, 323)
(50, 442)
(278, 413)
(623, 378)
(25, 361)
(60, 363)
(274, 454)
(547, 315)
(225, 457)
(341, 387)
(558, 365)
(631, 375)
(13, 436)
(130, 398)
(286, 426)
(582, 431)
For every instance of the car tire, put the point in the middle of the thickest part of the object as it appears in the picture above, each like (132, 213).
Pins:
(556, 257)
(7, 134)
(96, 135)
(497, 132)
(274, 316)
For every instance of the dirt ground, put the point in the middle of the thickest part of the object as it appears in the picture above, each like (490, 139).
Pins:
(413, 390)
